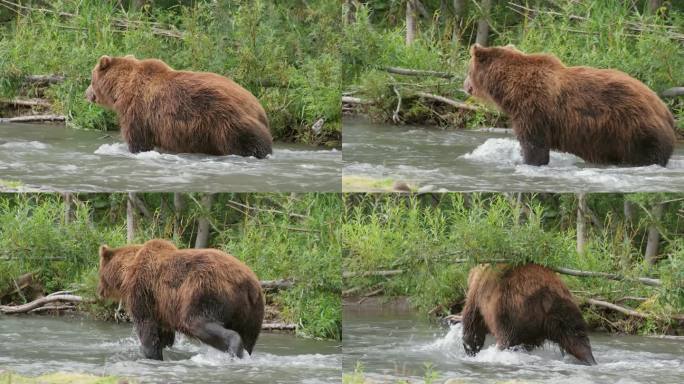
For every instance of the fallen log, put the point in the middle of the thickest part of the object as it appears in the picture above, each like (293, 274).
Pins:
(32, 119)
(420, 72)
(27, 103)
(53, 308)
(445, 100)
(274, 285)
(278, 327)
(673, 92)
(43, 79)
(355, 100)
(10, 309)
(373, 273)
(609, 276)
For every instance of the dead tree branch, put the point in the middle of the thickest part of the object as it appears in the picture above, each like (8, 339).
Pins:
(32, 119)
(10, 309)
(421, 72)
(673, 92)
(442, 99)
(609, 276)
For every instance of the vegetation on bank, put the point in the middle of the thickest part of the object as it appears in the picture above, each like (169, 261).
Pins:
(60, 378)
(280, 236)
(284, 52)
(422, 246)
(646, 44)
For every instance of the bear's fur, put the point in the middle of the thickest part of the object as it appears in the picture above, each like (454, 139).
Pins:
(203, 293)
(603, 116)
(179, 111)
(522, 306)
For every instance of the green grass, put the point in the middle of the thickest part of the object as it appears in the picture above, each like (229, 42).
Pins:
(59, 378)
(286, 237)
(285, 53)
(436, 243)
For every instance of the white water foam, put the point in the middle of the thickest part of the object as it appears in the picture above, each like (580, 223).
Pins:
(24, 145)
(507, 151)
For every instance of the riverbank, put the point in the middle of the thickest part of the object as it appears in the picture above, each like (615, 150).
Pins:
(281, 237)
(393, 77)
(297, 83)
(423, 247)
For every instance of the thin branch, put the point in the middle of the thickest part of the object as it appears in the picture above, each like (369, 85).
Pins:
(229, 202)
(420, 72)
(609, 276)
(373, 273)
(395, 116)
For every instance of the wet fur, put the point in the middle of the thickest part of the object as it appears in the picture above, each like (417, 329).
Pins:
(522, 306)
(203, 293)
(180, 111)
(603, 116)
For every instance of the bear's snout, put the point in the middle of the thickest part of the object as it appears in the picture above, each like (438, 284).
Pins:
(90, 94)
(467, 85)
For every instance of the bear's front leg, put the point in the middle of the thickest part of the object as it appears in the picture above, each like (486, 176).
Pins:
(474, 330)
(148, 333)
(533, 154)
(138, 137)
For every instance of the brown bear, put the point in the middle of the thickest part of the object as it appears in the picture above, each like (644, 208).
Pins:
(179, 111)
(522, 306)
(603, 116)
(203, 293)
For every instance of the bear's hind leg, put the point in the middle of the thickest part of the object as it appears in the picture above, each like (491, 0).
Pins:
(534, 155)
(221, 338)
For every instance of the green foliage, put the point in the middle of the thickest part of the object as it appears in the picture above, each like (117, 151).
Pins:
(435, 243)
(284, 53)
(279, 236)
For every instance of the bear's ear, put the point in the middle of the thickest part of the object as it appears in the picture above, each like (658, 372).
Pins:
(105, 252)
(104, 62)
(481, 54)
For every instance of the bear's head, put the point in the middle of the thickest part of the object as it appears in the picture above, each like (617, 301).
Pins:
(114, 77)
(483, 66)
(496, 73)
(113, 265)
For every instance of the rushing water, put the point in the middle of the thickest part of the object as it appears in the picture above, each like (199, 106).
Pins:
(477, 161)
(33, 346)
(52, 157)
(394, 344)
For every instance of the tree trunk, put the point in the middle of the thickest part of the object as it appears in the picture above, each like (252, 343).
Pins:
(581, 222)
(137, 4)
(350, 11)
(203, 227)
(68, 207)
(628, 210)
(653, 235)
(178, 208)
(410, 22)
(652, 6)
(482, 37)
(459, 11)
(130, 218)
